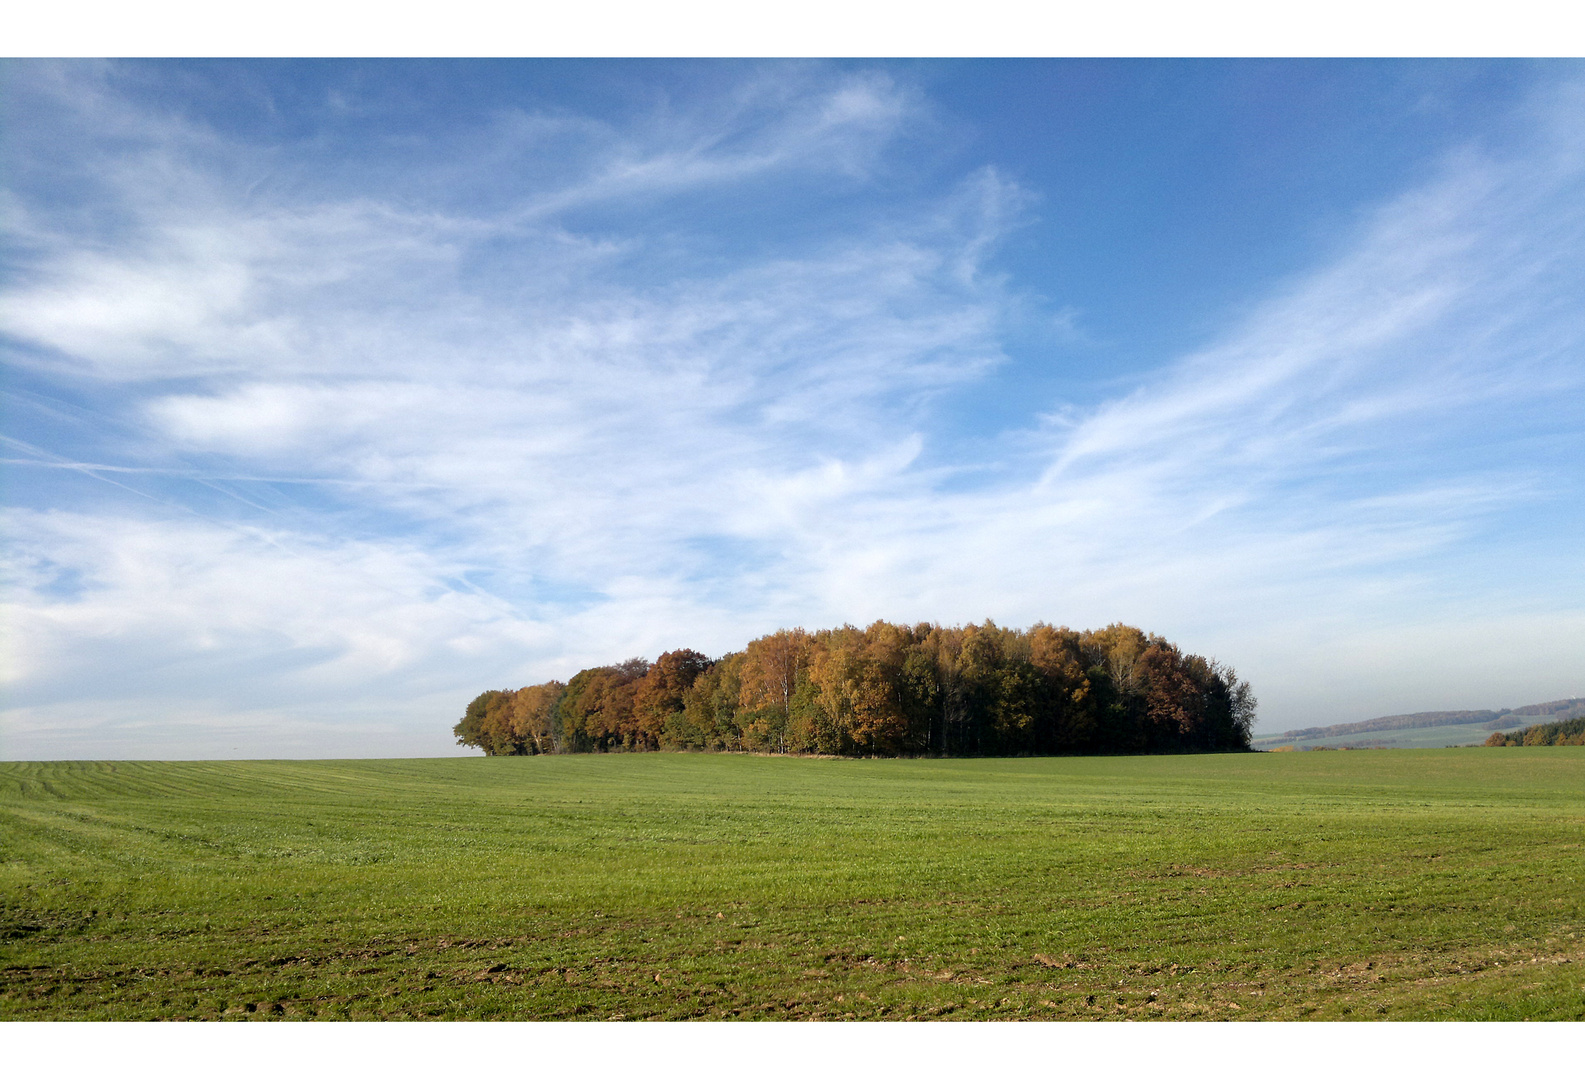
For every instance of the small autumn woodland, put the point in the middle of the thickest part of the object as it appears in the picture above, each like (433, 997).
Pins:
(887, 691)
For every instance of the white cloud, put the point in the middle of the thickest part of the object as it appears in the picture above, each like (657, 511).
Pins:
(789, 119)
(485, 468)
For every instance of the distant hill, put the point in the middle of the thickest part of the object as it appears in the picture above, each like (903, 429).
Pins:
(1573, 706)
(1493, 719)
(1394, 723)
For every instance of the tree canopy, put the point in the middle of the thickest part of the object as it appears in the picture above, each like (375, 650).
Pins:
(888, 690)
(1560, 733)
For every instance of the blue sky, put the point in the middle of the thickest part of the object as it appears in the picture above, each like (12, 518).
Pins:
(337, 392)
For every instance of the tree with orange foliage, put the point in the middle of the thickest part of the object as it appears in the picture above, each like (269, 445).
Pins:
(769, 676)
(660, 695)
(889, 689)
(534, 726)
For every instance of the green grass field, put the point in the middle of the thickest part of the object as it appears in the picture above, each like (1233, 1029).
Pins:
(1415, 884)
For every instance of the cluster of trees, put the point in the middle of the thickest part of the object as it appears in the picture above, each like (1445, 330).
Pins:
(887, 690)
(1562, 733)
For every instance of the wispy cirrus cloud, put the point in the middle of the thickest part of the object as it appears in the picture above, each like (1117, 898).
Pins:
(392, 448)
(789, 121)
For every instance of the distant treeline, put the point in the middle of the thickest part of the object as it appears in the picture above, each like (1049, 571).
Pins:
(1393, 723)
(1493, 719)
(1562, 733)
(1563, 709)
(888, 690)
